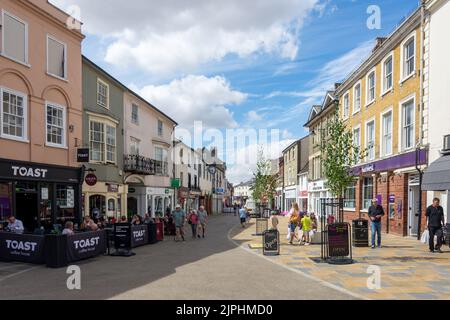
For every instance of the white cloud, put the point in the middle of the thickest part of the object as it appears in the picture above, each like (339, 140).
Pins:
(196, 98)
(173, 37)
(253, 116)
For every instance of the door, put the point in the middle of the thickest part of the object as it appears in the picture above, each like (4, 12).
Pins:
(26, 210)
(413, 210)
(132, 204)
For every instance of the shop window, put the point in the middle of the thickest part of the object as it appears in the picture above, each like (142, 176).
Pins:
(65, 202)
(350, 196)
(367, 193)
(159, 209)
(45, 210)
(5, 201)
(97, 205)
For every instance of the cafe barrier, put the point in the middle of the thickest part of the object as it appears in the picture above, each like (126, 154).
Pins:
(22, 247)
(139, 236)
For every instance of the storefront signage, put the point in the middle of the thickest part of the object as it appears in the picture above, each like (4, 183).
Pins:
(290, 194)
(22, 248)
(44, 193)
(338, 240)
(131, 190)
(122, 236)
(139, 236)
(392, 198)
(17, 170)
(175, 183)
(86, 245)
(220, 190)
(317, 186)
(113, 187)
(271, 242)
(303, 194)
(91, 179)
(368, 168)
(83, 155)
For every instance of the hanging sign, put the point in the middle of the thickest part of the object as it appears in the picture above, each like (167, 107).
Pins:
(91, 179)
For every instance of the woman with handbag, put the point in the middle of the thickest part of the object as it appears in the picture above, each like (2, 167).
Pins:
(293, 221)
(193, 221)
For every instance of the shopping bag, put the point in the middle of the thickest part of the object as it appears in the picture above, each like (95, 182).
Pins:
(425, 237)
(288, 237)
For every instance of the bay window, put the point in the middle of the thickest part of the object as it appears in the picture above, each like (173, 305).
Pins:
(102, 140)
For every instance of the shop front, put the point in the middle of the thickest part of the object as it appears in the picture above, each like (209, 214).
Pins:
(39, 195)
(152, 200)
(103, 198)
(395, 183)
(317, 191)
(290, 197)
(303, 200)
(194, 199)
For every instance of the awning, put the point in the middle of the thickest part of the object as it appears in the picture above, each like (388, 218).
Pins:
(437, 176)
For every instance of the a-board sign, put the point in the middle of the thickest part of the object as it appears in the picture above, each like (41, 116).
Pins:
(271, 242)
(338, 240)
(122, 236)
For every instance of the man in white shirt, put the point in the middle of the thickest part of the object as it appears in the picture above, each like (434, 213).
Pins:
(15, 225)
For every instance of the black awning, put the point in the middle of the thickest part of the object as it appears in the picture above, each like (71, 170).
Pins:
(437, 176)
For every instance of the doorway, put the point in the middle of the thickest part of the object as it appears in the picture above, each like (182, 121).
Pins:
(26, 210)
(132, 206)
(413, 210)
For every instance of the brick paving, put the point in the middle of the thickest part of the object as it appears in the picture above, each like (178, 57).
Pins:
(408, 269)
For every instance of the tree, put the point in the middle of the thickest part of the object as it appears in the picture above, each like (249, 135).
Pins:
(265, 184)
(338, 154)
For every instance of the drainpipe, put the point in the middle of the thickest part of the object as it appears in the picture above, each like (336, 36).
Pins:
(421, 107)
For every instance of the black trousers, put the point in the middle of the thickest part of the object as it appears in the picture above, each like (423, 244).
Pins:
(435, 231)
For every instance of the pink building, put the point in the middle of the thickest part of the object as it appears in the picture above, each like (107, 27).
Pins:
(41, 118)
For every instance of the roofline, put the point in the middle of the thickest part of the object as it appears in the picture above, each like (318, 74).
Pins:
(323, 111)
(92, 63)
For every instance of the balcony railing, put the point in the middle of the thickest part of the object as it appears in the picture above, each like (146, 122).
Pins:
(139, 165)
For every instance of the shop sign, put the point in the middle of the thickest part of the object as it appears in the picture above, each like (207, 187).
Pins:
(167, 191)
(113, 187)
(91, 179)
(316, 186)
(86, 245)
(271, 243)
(83, 155)
(122, 236)
(131, 190)
(175, 183)
(290, 194)
(368, 168)
(392, 198)
(16, 170)
(338, 240)
(220, 190)
(21, 247)
(304, 194)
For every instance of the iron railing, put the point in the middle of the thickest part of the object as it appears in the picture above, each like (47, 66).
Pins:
(139, 165)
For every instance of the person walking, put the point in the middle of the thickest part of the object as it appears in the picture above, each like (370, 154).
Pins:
(376, 212)
(293, 221)
(203, 220)
(435, 223)
(243, 216)
(193, 221)
(179, 218)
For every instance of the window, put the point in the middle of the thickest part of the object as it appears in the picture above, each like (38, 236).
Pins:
(181, 179)
(316, 168)
(103, 139)
(102, 94)
(388, 74)
(371, 80)
(134, 146)
(346, 107)
(408, 124)
(110, 144)
(135, 113)
(370, 140)
(97, 138)
(357, 98)
(367, 193)
(386, 145)
(160, 128)
(161, 160)
(408, 62)
(14, 38)
(350, 196)
(56, 125)
(56, 58)
(357, 143)
(14, 115)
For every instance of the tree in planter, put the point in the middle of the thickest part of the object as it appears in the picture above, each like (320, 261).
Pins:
(338, 154)
(265, 184)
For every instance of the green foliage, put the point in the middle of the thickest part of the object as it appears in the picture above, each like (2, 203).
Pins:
(338, 154)
(265, 184)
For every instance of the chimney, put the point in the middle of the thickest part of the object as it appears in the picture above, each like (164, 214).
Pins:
(378, 42)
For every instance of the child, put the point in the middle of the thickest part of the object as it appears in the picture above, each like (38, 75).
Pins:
(306, 227)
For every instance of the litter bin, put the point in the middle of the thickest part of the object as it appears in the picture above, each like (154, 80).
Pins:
(262, 225)
(152, 231)
(159, 231)
(360, 233)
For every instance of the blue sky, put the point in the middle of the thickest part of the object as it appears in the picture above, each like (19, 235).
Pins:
(234, 64)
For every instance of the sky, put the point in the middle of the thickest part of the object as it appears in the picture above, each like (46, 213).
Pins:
(235, 64)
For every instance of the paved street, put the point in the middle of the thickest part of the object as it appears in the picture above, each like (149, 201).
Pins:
(214, 268)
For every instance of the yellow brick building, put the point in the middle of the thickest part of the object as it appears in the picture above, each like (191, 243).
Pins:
(381, 103)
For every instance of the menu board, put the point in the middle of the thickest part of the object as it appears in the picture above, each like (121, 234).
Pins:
(338, 240)
(122, 236)
(271, 242)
